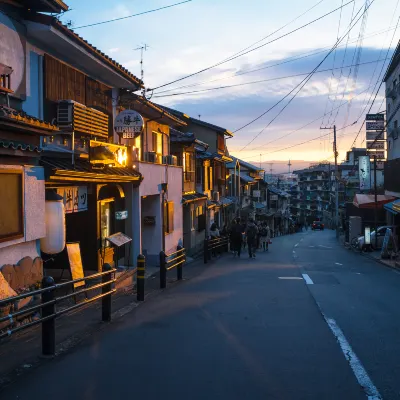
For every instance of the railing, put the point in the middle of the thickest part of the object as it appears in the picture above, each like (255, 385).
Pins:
(215, 246)
(49, 302)
(171, 261)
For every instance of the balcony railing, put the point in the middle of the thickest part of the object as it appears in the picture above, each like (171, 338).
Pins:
(5, 78)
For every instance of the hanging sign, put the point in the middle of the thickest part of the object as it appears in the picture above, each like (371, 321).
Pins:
(375, 125)
(364, 172)
(374, 117)
(128, 124)
(376, 145)
(75, 198)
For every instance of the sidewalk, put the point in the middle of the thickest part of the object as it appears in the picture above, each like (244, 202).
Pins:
(21, 352)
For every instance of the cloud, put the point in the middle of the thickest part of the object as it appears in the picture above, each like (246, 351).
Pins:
(113, 50)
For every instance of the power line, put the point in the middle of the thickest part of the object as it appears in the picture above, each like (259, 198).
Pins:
(263, 80)
(303, 83)
(287, 60)
(251, 50)
(133, 15)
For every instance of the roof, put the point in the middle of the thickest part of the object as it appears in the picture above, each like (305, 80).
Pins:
(393, 207)
(393, 63)
(17, 145)
(185, 137)
(314, 168)
(63, 169)
(188, 198)
(279, 192)
(53, 6)
(16, 118)
(368, 200)
(94, 51)
(244, 163)
(246, 178)
(199, 122)
(206, 155)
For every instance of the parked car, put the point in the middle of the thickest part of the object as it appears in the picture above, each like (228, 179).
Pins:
(317, 225)
(381, 236)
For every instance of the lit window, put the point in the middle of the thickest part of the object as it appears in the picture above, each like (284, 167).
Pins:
(168, 217)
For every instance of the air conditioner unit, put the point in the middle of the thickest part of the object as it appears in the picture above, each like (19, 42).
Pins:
(165, 159)
(170, 160)
(150, 156)
(216, 196)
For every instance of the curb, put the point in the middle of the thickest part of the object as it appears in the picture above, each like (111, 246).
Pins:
(381, 262)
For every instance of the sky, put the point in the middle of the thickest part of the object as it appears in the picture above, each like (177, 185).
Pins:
(201, 33)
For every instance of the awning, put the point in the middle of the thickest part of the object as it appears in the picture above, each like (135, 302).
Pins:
(368, 200)
(61, 169)
(393, 207)
(188, 198)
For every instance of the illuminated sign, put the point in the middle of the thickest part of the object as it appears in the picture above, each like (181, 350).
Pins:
(364, 171)
(75, 198)
(367, 235)
(374, 117)
(102, 153)
(128, 124)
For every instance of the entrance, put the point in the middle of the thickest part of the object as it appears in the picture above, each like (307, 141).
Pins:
(107, 228)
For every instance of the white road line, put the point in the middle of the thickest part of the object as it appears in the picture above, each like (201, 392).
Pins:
(308, 279)
(338, 264)
(325, 247)
(290, 277)
(311, 246)
(296, 245)
(355, 363)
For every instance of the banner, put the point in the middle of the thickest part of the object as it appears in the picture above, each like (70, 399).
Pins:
(364, 172)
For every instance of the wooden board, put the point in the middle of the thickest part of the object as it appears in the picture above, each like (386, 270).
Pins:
(75, 263)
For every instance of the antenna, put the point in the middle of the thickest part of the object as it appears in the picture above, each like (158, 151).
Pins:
(289, 165)
(142, 49)
(199, 116)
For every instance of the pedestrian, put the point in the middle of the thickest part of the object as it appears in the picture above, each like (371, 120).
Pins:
(214, 233)
(251, 233)
(265, 236)
(236, 238)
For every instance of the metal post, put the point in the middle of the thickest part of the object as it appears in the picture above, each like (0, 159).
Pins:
(336, 183)
(205, 251)
(48, 327)
(376, 206)
(163, 270)
(141, 267)
(179, 267)
(106, 300)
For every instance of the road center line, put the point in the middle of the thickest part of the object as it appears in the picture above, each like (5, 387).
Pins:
(355, 363)
(308, 279)
(290, 277)
(325, 247)
(338, 264)
(296, 245)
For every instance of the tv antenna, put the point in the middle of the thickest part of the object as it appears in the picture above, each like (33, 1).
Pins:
(142, 49)
(289, 165)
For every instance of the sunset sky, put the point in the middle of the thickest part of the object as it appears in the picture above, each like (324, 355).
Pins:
(200, 33)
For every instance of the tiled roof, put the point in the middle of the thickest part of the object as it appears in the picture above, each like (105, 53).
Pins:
(17, 145)
(246, 178)
(187, 198)
(55, 23)
(10, 115)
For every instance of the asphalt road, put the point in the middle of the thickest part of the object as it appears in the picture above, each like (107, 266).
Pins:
(308, 320)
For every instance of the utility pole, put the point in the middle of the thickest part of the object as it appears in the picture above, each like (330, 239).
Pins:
(335, 152)
(376, 206)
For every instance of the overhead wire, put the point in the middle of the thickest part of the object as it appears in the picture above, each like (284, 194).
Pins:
(250, 50)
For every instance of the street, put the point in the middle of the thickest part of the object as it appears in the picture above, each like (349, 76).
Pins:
(307, 320)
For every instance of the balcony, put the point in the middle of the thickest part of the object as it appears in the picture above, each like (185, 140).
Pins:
(5, 79)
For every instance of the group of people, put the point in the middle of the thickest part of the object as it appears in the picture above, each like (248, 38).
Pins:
(250, 234)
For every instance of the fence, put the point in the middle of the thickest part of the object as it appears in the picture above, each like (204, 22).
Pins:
(49, 301)
(213, 247)
(171, 261)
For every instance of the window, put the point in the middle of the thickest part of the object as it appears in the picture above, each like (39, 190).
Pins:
(106, 222)
(388, 108)
(201, 218)
(188, 167)
(199, 170)
(394, 83)
(221, 143)
(11, 205)
(138, 145)
(193, 219)
(158, 145)
(208, 178)
(168, 217)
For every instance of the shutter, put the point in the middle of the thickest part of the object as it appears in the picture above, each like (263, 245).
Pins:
(170, 216)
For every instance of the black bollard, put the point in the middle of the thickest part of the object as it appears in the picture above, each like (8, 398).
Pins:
(163, 270)
(181, 259)
(141, 266)
(106, 300)
(48, 326)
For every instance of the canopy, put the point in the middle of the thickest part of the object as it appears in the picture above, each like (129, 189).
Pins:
(393, 207)
(368, 200)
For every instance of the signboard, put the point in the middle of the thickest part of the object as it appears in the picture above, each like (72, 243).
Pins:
(375, 136)
(376, 145)
(104, 153)
(256, 193)
(149, 220)
(128, 124)
(75, 263)
(273, 197)
(364, 172)
(75, 198)
(121, 215)
(375, 125)
(374, 117)
(380, 165)
(119, 239)
(367, 235)
(380, 155)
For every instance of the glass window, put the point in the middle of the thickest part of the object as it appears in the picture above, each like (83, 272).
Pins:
(168, 217)
(105, 222)
(158, 145)
(138, 145)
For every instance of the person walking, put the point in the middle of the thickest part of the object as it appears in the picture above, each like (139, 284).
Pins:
(214, 233)
(265, 236)
(251, 233)
(236, 238)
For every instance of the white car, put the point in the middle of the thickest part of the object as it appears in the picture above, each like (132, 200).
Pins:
(381, 236)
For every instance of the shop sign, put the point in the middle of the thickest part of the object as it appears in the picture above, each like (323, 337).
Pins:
(375, 125)
(273, 197)
(380, 155)
(376, 145)
(375, 136)
(128, 124)
(149, 220)
(75, 198)
(121, 215)
(364, 172)
(374, 117)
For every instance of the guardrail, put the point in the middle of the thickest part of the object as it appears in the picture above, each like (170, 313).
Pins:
(49, 302)
(171, 261)
(215, 246)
